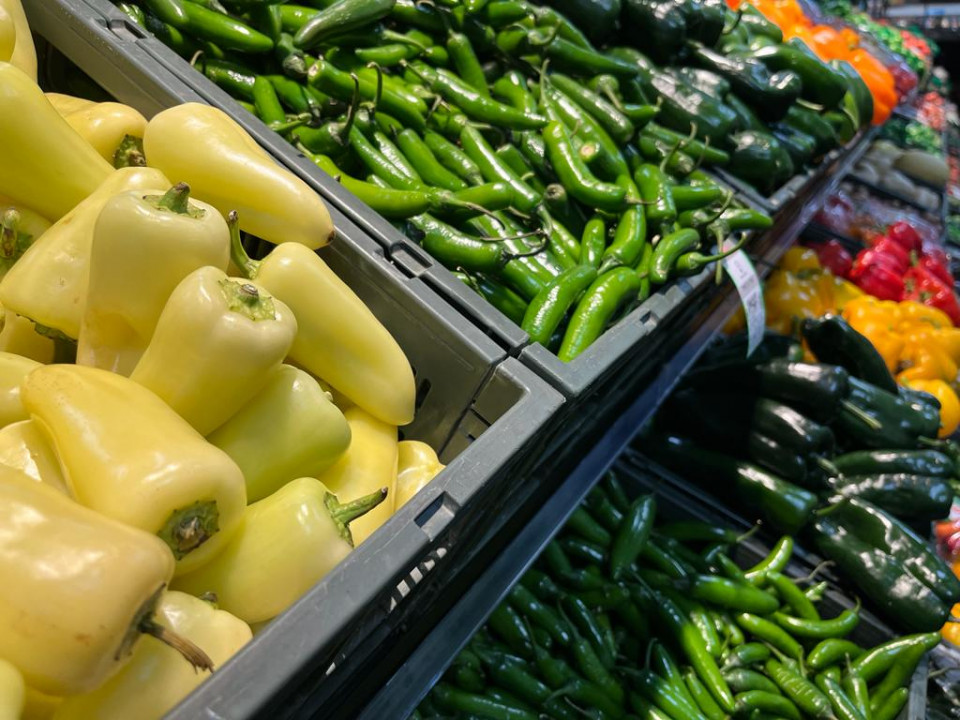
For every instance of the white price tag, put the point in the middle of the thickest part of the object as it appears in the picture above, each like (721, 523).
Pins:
(745, 278)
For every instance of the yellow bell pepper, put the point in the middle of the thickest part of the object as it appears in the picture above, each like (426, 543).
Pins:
(49, 283)
(13, 690)
(214, 346)
(23, 446)
(66, 104)
(144, 243)
(157, 678)
(913, 312)
(24, 53)
(77, 587)
(109, 128)
(788, 297)
(417, 464)
(13, 370)
(45, 164)
(949, 403)
(923, 359)
(843, 292)
(948, 340)
(287, 543)
(128, 456)
(370, 463)
(870, 308)
(799, 259)
(20, 337)
(889, 344)
(205, 148)
(290, 429)
(338, 339)
(8, 35)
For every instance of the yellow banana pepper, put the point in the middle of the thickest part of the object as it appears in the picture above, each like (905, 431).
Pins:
(339, 340)
(29, 222)
(24, 53)
(157, 678)
(23, 446)
(13, 370)
(287, 543)
(77, 587)
(45, 164)
(128, 456)
(290, 429)
(66, 104)
(204, 147)
(8, 35)
(144, 243)
(799, 259)
(20, 337)
(109, 128)
(13, 690)
(49, 283)
(370, 463)
(949, 403)
(214, 346)
(417, 464)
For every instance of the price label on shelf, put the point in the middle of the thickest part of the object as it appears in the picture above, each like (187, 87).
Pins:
(745, 278)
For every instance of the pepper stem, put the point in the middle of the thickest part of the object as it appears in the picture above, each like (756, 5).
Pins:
(828, 466)
(247, 266)
(176, 199)
(129, 153)
(191, 652)
(247, 300)
(8, 233)
(343, 514)
(189, 527)
(860, 415)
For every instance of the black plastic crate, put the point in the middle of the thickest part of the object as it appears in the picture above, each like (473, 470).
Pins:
(487, 416)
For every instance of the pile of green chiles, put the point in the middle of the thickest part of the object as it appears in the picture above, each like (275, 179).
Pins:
(622, 614)
(560, 180)
(816, 448)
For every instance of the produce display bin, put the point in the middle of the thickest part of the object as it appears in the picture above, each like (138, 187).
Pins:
(411, 682)
(487, 416)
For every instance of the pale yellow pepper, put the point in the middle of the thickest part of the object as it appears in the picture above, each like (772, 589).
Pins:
(45, 164)
(13, 370)
(49, 283)
(369, 464)
(290, 429)
(287, 543)
(66, 104)
(20, 337)
(144, 243)
(128, 456)
(40, 706)
(157, 678)
(76, 587)
(13, 690)
(24, 446)
(106, 125)
(8, 35)
(205, 148)
(29, 222)
(215, 344)
(417, 464)
(24, 53)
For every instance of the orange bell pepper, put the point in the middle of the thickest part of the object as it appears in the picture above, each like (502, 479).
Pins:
(951, 630)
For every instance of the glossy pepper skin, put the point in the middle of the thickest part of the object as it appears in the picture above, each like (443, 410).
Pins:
(833, 341)
(338, 339)
(13, 370)
(19, 336)
(289, 429)
(130, 457)
(156, 678)
(144, 243)
(24, 447)
(759, 159)
(821, 84)
(662, 20)
(369, 464)
(46, 165)
(215, 343)
(13, 690)
(417, 465)
(49, 283)
(682, 106)
(223, 165)
(24, 55)
(76, 587)
(106, 126)
(288, 541)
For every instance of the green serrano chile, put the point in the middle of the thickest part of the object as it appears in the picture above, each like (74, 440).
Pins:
(768, 702)
(501, 297)
(833, 651)
(546, 311)
(632, 534)
(575, 175)
(426, 164)
(341, 17)
(453, 158)
(657, 195)
(668, 251)
(593, 241)
(224, 30)
(600, 303)
(629, 240)
(618, 125)
(495, 170)
(455, 249)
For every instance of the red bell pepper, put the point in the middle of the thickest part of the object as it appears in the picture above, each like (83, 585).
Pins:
(925, 287)
(870, 257)
(878, 280)
(929, 262)
(834, 257)
(905, 236)
(891, 248)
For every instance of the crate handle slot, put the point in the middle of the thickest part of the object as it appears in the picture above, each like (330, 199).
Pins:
(434, 518)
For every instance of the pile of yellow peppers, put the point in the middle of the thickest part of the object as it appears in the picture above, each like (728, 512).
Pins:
(919, 343)
(190, 439)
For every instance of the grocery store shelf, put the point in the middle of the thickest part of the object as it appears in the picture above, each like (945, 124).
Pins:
(396, 696)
